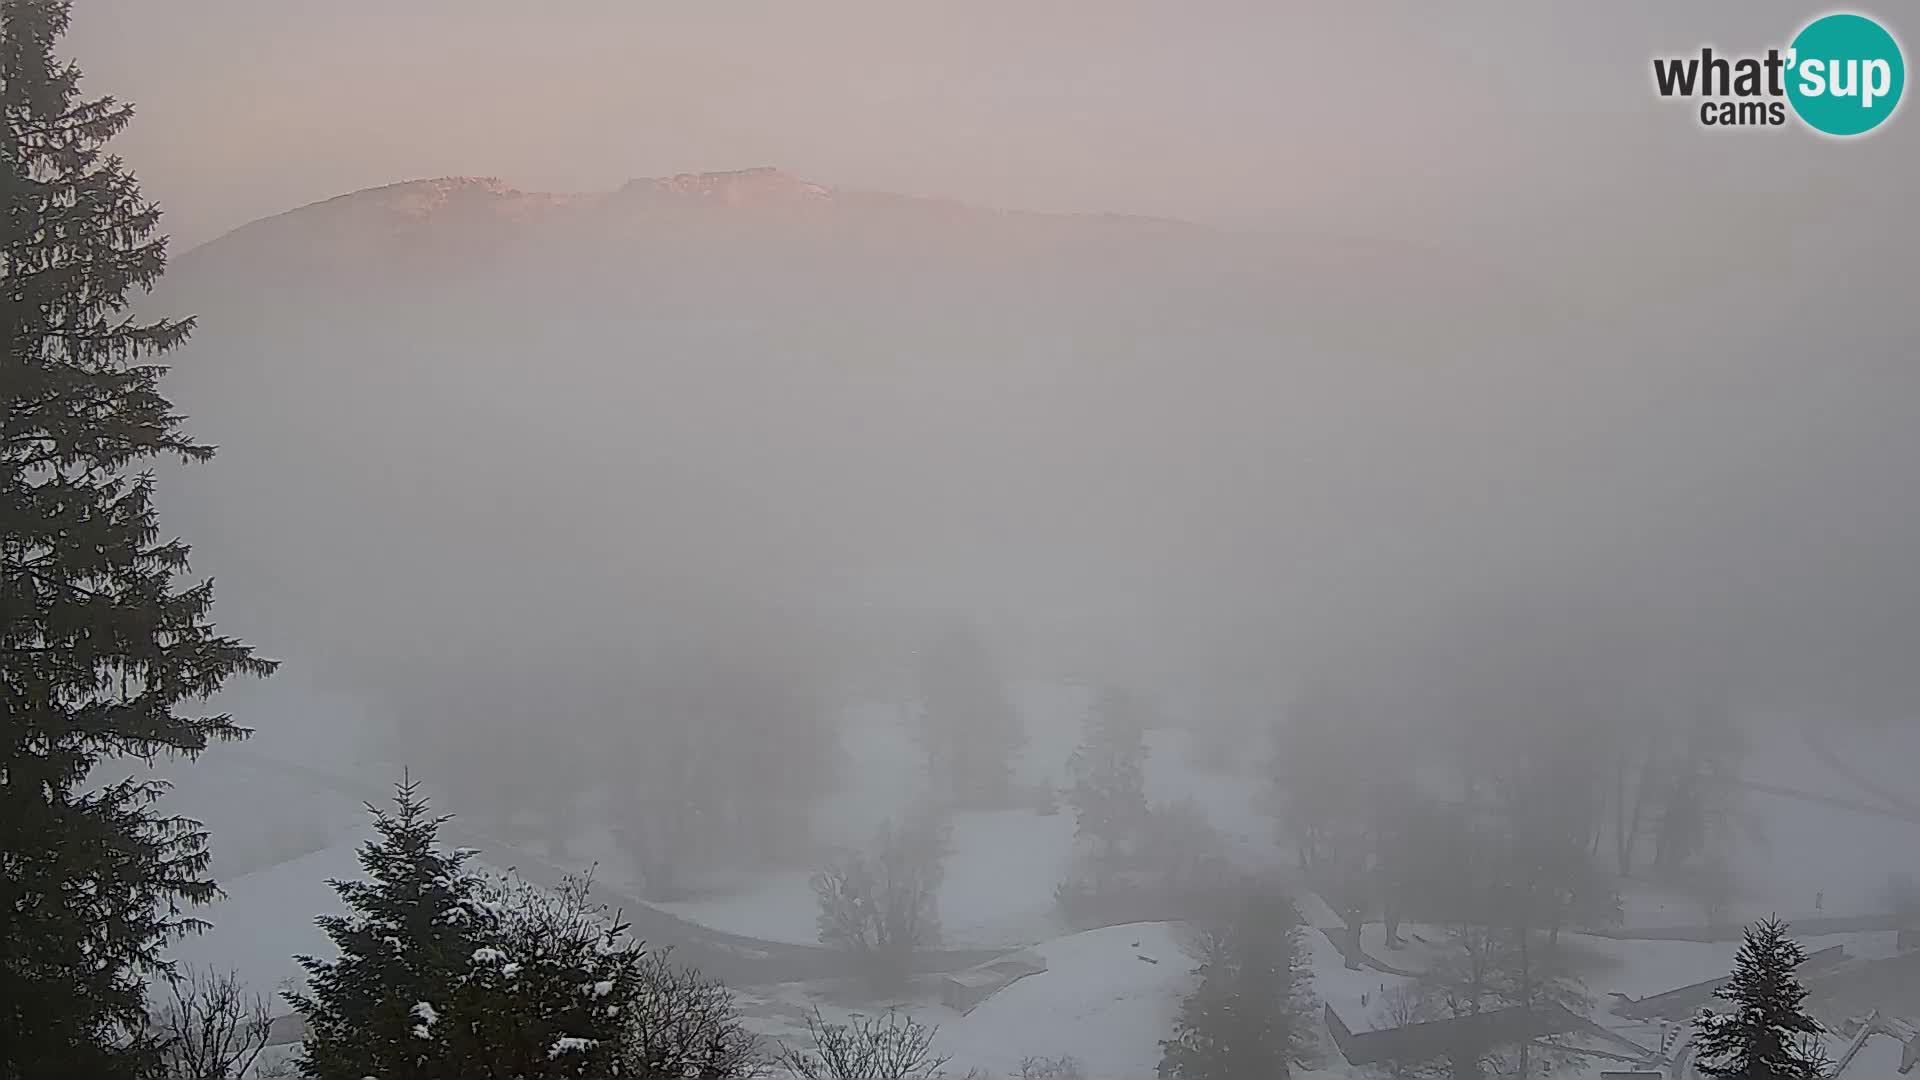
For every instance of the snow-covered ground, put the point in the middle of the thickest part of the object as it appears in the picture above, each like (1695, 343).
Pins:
(266, 917)
(1355, 995)
(1107, 997)
(1877, 1059)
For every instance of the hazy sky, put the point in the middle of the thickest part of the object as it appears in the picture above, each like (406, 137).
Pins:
(1682, 315)
(1400, 117)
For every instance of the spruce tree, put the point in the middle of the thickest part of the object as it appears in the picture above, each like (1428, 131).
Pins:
(102, 646)
(1251, 1013)
(444, 974)
(1768, 1034)
(405, 952)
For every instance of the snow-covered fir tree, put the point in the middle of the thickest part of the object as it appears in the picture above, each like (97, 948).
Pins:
(445, 973)
(554, 990)
(405, 951)
(1767, 1035)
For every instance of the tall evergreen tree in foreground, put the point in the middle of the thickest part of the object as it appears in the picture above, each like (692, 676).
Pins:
(100, 648)
(1251, 1014)
(1768, 1035)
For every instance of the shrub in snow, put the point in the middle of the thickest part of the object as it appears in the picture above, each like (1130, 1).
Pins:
(685, 1026)
(1045, 1068)
(1411, 1003)
(882, 906)
(890, 1047)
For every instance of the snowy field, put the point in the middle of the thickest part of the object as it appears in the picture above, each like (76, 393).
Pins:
(267, 916)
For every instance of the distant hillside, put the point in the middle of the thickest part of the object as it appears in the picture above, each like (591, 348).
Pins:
(463, 217)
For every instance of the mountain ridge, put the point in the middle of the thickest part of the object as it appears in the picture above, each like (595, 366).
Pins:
(415, 204)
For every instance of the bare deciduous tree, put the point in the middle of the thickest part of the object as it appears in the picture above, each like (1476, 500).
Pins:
(890, 1047)
(882, 906)
(1398, 1006)
(684, 1026)
(212, 1029)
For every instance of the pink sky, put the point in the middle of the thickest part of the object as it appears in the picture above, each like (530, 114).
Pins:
(1393, 117)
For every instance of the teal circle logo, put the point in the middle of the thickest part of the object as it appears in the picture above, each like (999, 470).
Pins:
(1846, 74)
